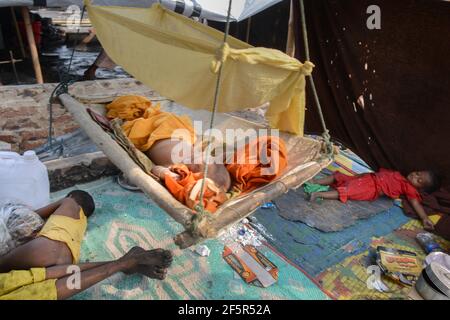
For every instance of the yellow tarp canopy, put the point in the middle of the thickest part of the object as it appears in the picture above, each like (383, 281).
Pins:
(179, 58)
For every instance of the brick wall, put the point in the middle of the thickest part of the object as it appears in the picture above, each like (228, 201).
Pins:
(24, 109)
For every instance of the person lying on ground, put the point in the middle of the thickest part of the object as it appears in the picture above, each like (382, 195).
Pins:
(370, 186)
(60, 282)
(59, 240)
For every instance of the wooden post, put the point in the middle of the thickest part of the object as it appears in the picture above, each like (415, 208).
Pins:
(290, 45)
(32, 45)
(19, 35)
(249, 23)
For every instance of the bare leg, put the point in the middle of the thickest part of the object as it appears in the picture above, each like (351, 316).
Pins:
(136, 260)
(90, 277)
(39, 252)
(326, 181)
(83, 45)
(60, 271)
(102, 61)
(332, 195)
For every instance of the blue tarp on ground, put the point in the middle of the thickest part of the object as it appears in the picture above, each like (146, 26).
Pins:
(314, 250)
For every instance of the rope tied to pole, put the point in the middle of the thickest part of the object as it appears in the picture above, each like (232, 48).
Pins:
(62, 87)
(221, 58)
(326, 133)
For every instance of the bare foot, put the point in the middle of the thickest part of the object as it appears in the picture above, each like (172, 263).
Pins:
(158, 257)
(151, 263)
(313, 197)
(154, 272)
(132, 257)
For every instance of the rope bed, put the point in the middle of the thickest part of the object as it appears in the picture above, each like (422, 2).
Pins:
(307, 157)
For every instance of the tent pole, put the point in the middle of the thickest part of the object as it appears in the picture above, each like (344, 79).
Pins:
(19, 35)
(290, 44)
(249, 23)
(32, 45)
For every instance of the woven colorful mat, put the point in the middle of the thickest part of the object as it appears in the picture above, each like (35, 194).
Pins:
(124, 219)
(348, 279)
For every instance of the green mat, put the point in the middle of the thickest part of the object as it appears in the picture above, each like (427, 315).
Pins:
(124, 219)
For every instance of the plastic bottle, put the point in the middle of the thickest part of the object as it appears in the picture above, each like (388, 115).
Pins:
(428, 243)
(23, 179)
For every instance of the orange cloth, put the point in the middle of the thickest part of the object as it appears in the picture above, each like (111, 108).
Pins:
(248, 169)
(187, 189)
(128, 107)
(147, 124)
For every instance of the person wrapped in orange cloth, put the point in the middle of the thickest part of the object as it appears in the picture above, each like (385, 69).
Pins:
(161, 135)
(258, 162)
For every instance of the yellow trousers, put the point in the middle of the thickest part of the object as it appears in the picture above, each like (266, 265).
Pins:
(27, 285)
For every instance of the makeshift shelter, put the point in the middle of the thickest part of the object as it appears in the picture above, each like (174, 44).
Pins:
(180, 58)
(384, 92)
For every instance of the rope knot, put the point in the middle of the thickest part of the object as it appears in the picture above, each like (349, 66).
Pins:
(307, 68)
(220, 57)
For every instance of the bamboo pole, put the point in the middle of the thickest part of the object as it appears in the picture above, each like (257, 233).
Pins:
(32, 45)
(247, 35)
(18, 33)
(233, 212)
(290, 44)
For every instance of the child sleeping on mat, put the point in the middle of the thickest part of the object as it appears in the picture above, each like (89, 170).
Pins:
(370, 186)
(160, 135)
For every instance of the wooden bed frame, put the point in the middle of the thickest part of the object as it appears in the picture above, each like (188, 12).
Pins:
(305, 158)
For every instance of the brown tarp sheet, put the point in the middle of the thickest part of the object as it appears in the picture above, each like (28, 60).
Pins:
(401, 71)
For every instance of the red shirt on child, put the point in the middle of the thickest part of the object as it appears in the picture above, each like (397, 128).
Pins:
(369, 186)
(393, 185)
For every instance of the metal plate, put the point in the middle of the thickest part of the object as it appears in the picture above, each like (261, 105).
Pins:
(442, 258)
(440, 276)
(426, 290)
